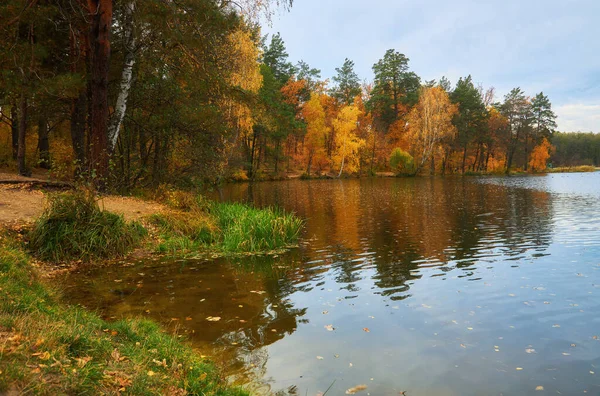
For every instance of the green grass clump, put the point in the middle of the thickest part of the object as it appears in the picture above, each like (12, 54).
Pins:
(74, 227)
(47, 347)
(192, 223)
(248, 229)
(184, 231)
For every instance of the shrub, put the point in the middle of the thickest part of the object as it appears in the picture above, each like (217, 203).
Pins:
(74, 227)
(401, 161)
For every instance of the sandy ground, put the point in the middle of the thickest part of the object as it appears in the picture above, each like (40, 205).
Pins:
(23, 203)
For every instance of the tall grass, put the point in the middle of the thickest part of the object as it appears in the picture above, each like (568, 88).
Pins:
(74, 227)
(193, 223)
(248, 229)
(53, 349)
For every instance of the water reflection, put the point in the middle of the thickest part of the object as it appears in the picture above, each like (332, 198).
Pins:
(436, 286)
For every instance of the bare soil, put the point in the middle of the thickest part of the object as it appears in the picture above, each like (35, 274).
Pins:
(22, 203)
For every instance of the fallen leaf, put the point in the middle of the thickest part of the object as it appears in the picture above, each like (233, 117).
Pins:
(539, 388)
(366, 330)
(519, 368)
(319, 357)
(213, 318)
(150, 373)
(329, 327)
(356, 389)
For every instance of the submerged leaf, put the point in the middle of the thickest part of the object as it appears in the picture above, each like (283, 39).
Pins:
(356, 389)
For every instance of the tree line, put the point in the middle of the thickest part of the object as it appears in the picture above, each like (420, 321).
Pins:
(131, 94)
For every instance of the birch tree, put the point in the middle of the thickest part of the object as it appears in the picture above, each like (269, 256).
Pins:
(430, 123)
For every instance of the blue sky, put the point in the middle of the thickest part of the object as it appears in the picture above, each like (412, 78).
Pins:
(551, 46)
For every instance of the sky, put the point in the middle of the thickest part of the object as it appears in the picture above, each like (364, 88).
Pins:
(539, 45)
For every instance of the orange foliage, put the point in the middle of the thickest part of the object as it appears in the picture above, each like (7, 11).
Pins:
(540, 155)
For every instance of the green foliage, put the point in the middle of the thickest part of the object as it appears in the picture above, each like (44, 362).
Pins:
(576, 148)
(401, 161)
(347, 83)
(276, 58)
(543, 116)
(394, 86)
(74, 227)
(471, 117)
(60, 349)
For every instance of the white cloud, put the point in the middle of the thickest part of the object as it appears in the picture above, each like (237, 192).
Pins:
(578, 117)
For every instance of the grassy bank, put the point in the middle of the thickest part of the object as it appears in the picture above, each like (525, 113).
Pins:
(572, 169)
(73, 227)
(195, 224)
(50, 348)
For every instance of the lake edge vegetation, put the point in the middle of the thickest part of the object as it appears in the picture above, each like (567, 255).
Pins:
(73, 227)
(53, 348)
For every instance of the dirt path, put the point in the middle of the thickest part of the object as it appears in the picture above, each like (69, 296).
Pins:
(23, 203)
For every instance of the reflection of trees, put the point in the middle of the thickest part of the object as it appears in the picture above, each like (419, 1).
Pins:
(411, 223)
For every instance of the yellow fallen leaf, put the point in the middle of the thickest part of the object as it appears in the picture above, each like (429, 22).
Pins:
(519, 368)
(150, 373)
(213, 318)
(366, 330)
(203, 376)
(356, 389)
(539, 388)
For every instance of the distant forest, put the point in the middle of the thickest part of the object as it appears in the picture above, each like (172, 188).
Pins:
(576, 148)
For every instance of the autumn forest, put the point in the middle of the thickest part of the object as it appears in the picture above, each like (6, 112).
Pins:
(134, 94)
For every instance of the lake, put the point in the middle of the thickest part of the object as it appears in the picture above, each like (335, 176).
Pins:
(429, 286)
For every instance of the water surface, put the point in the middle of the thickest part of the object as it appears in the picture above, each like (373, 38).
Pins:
(456, 286)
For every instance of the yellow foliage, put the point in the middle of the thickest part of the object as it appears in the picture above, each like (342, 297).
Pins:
(430, 123)
(316, 130)
(347, 142)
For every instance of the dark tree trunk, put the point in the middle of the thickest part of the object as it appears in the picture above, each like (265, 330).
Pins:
(100, 27)
(43, 142)
(464, 159)
(23, 171)
(14, 129)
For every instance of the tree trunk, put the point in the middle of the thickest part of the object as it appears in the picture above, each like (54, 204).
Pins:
(43, 143)
(100, 26)
(432, 170)
(23, 171)
(14, 129)
(464, 159)
(126, 77)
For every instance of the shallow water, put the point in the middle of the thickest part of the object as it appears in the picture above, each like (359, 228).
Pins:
(456, 286)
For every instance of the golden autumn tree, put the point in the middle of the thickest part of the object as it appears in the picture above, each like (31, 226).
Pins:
(316, 131)
(245, 76)
(347, 142)
(430, 123)
(538, 159)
